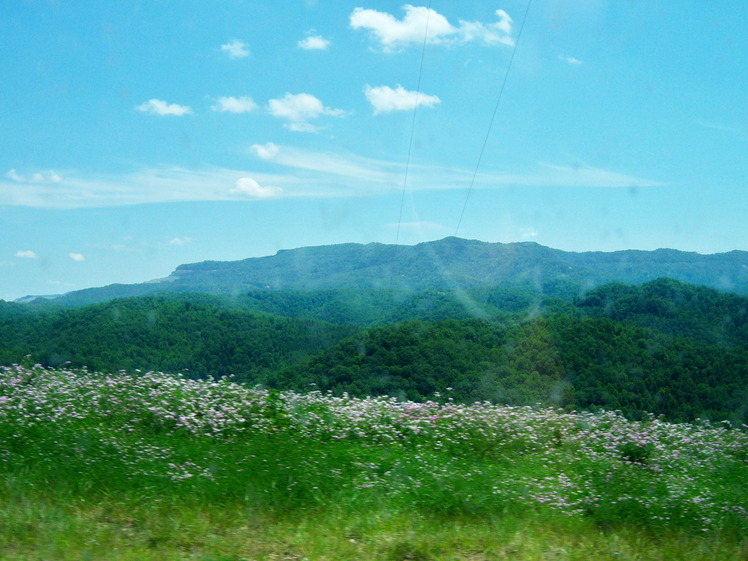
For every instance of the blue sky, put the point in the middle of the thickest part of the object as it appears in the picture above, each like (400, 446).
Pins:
(137, 136)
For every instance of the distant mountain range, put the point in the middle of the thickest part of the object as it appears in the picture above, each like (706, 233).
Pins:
(448, 264)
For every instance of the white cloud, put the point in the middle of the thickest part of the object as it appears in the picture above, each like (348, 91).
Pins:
(385, 99)
(235, 104)
(299, 109)
(505, 22)
(498, 33)
(392, 34)
(159, 107)
(14, 176)
(77, 256)
(314, 43)
(236, 49)
(266, 151)
(250, 188)
(302, 127)
(26, 254)
(569, 60)
(180, 241)
(50, 176)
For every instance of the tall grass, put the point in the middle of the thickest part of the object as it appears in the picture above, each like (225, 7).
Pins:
(154, 466)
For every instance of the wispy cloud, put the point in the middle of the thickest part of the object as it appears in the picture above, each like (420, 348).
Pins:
(26, 254)
(236, 49)
(385, 99)
(585, 176)
(732, 129)
(314, 43)
(60, 283)
(295, 172)
(332, 169)
(299, 109)
(160, 107)
(50, 176)
(150, 185)
(347, 174)
(77, 256)
(392, 34)
(243, 104)
(180, 241)
(570, 60)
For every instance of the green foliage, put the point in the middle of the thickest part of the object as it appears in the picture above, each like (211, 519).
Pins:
(195, 334)
(572, 362)
(675, 308)
(12, 310)
(368, 308)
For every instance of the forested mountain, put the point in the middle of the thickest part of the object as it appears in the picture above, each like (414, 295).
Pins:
(12, 309)
(457, 263)
(361, 307)
(197, 335)
(577, 363)
(674, 307)
(367, 308)
(451, 264)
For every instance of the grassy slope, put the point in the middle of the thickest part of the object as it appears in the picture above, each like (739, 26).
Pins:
(156, 467)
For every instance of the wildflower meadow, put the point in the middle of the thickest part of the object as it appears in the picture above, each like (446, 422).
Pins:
(156, 466)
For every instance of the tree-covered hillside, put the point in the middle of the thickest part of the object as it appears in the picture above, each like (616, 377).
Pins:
(577, 363)
(368, 308)
(664, 347)
(674, 307)
(194, 334)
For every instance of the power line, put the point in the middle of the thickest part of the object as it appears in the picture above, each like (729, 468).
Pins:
(493, 116)
(413, 123)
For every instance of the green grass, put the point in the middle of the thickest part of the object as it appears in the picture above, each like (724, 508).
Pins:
(158, 467)
(130, 529)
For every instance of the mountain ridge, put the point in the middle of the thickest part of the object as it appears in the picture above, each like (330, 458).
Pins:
(450, 263)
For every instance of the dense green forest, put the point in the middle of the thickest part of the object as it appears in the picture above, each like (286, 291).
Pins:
(197, 335)
(664, 347)
(571, 362)
(676, 308)
(364, 307)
